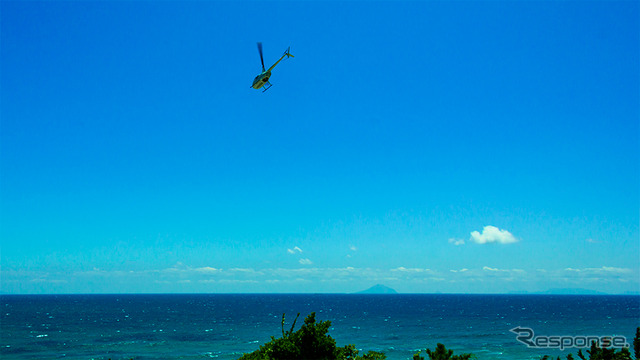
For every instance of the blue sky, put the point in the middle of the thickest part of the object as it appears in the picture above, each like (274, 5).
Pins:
(429, 146)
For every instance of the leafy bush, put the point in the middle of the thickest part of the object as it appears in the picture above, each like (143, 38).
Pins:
(598, 353)
(442, 353)
(310, 342)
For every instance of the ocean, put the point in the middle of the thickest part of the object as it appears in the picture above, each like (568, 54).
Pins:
(224, 326)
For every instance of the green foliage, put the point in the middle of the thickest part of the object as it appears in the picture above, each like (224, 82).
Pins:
(547, 357)
(310, 342)
(372, 355)
(636, 344)
(288, 333)
(598, 353)
(442, 353)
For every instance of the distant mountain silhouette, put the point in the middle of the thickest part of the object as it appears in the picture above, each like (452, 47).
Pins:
(378, 289)
(561, 291)
(572, 291)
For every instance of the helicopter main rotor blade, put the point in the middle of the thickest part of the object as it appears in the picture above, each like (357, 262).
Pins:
(260, 51)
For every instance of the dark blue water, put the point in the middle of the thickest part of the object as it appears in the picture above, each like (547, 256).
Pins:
(225, 326)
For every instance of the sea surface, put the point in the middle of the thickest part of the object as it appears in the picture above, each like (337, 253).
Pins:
(224, 326)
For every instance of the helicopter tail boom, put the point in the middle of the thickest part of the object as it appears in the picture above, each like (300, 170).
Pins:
(286, 53)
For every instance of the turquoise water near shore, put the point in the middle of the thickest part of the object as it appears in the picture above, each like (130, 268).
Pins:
(223, 326)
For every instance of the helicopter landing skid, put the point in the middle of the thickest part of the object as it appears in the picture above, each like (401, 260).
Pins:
(266, 86)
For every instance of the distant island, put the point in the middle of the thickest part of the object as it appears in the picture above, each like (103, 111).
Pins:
(574, 291)
(382, 289)
(378, 289)
(561, 291)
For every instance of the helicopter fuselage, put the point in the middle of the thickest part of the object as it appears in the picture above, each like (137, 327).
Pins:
(261, 80)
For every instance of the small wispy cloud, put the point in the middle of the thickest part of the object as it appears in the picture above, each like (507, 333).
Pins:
(491, 234)
(490, 276)
(353, 248)
(294, 250)
(456, 242)
(243, 270)
(413, 270)
(495, 270)
(601, 270)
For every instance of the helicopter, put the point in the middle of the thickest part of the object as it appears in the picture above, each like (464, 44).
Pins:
(262, 80)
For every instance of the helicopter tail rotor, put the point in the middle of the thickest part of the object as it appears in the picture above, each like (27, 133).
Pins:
(288, 53)
(261, 58)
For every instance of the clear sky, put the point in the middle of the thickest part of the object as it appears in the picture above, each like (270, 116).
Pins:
(476, 147)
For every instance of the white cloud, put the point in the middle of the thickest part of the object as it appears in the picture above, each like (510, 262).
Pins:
(482, 278)
(456, 242)
(294, 250)
(492, 234)
(486, 268)
(601, 270)
(414, 270)
(52, 281)
(244, 270)
(353, 248)
(237, 281)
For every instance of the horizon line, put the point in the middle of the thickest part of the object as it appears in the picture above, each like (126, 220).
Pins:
(633, 293)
